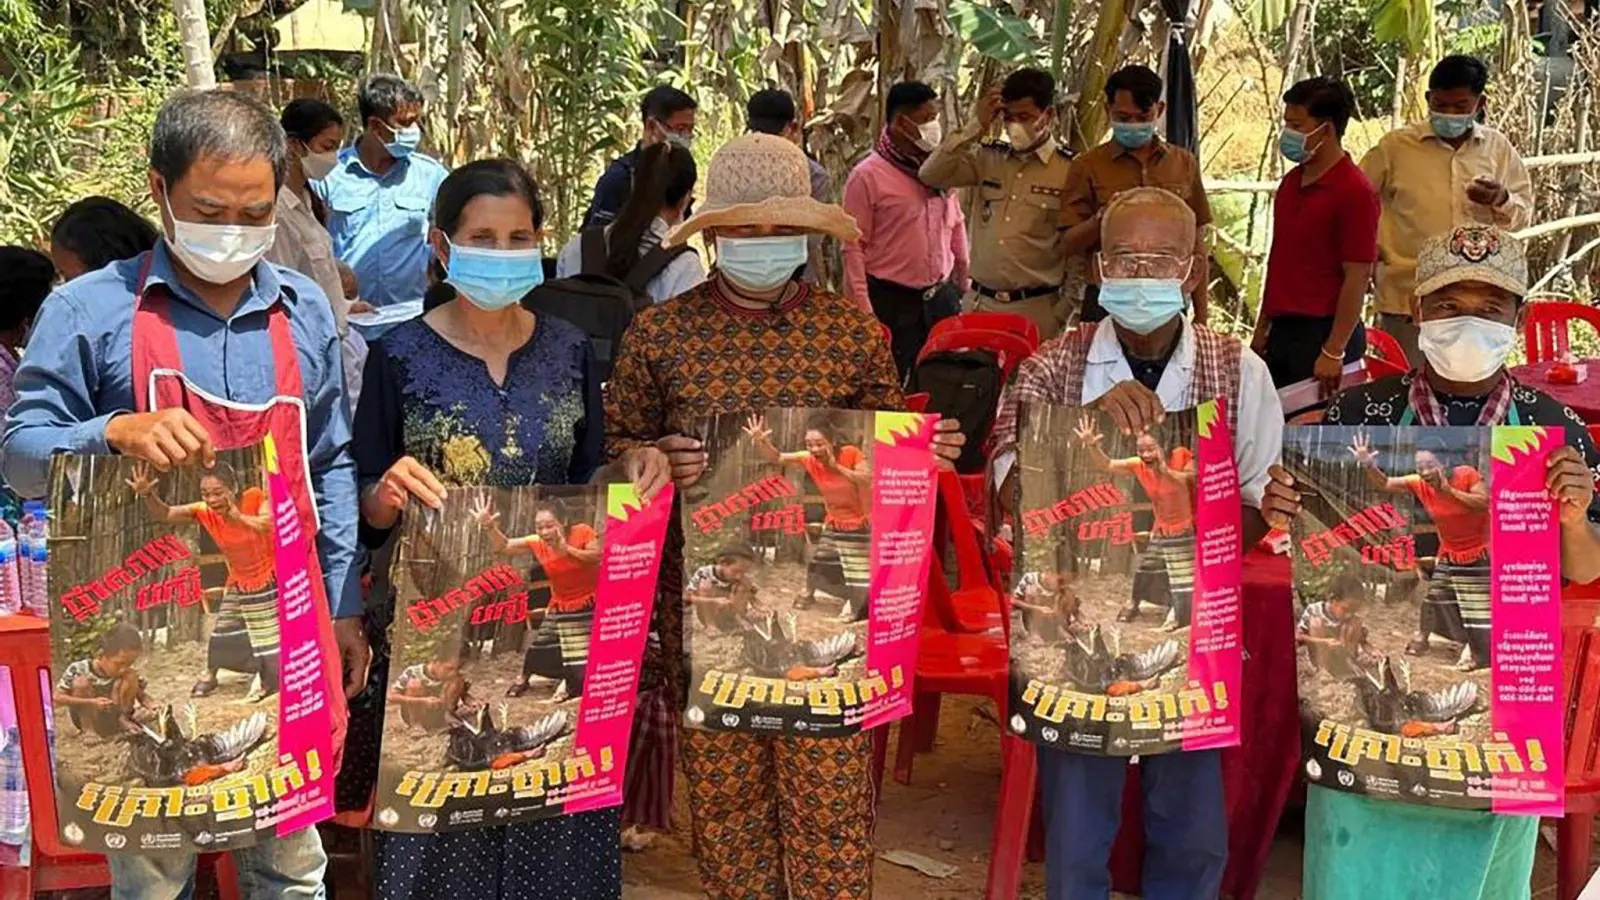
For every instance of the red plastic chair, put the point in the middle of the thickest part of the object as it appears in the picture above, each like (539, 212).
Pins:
(965, 650)
(1580, 645)
(1009, 323)
(25, 650)
(1544, 327)
(1382, 345)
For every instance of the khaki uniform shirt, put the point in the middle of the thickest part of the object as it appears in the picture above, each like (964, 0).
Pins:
(1016, 221)
(1109, 169)
(1422, 182)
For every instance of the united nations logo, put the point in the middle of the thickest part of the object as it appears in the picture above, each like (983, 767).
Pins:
(729, 720)
(1474, 243)
(1050, 735)
(427, 820)
(1347, 778)
(1019, 725)
(72, 834)
(116, 841)
(697, 716)
(388, 818)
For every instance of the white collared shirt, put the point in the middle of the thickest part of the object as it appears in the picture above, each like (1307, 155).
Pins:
(1257, 441)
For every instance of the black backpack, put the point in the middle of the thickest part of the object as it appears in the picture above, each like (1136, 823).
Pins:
(964, 385)
(600, 305)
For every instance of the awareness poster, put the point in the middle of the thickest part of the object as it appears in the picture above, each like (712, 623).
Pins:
(1427, 586)
(520, 621)
(1126, 608)
(189, 701)
(805, 556)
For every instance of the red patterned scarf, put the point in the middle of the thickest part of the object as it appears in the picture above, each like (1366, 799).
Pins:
(1429, 411)
(908, 163)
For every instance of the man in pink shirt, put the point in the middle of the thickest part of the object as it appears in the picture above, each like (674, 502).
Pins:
(910, 267)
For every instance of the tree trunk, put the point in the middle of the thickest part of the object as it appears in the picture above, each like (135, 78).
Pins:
(1103, 57)
(454, 84)
(1294, 51)
(1060, 25)
(1398, 110)
(198, 69)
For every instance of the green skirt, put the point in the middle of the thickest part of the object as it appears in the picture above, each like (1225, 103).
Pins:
(1360, 848)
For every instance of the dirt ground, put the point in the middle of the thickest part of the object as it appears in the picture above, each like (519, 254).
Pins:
(412, 747)
(946, 813)
(169, 676)
(777, 587)
(1101, 598)
(1391, 621)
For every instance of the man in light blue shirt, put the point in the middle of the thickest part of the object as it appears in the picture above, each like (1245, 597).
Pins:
(216, 162)
(380, 197)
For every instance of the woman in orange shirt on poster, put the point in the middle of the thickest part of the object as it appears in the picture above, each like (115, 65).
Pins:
(840, 561)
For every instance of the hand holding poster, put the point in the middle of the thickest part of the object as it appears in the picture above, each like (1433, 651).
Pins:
(805, 551)
(1427, 568)
(1126, 638)
(522, 617)
(167, 634)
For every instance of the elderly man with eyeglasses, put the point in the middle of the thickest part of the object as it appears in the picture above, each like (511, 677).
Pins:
(1143, 360)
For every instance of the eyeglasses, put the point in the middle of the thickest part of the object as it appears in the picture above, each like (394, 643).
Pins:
(1144, 265)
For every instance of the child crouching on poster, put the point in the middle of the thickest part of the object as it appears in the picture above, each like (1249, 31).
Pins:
(1331, 630)
(430, 693)
(722, 593)
(1049, 605)
(1140, 362)
(104, 693)
(1469, 300)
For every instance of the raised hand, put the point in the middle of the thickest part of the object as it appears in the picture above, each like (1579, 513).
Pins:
(483, 512)
(143, 482)
(1087, 433)
(1361, 448)
(755, 428)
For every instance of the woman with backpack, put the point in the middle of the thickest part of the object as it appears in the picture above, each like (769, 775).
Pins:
(629, 249)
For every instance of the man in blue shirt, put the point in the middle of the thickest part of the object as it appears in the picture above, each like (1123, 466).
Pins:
(669, 115)
(203, 313)
(380, 197)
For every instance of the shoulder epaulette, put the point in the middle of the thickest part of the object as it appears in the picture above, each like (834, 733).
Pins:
(997, 145)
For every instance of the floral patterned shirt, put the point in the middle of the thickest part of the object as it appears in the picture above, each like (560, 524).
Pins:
(425, 398)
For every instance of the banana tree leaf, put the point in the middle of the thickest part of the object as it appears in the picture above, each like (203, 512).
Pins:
(993, 33)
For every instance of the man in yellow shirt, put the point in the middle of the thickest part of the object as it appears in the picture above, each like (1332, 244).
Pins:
(1433, 176)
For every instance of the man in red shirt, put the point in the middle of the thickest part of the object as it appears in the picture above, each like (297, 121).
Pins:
(1324, 243)
(1457, 500)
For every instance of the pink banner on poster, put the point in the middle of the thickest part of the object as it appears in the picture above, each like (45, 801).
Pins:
(903, 503)
(305, 726)
(624, 599)
(1525, 581)
(1215, 663)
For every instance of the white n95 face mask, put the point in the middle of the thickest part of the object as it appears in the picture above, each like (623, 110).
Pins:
(218, 254)
(931, 133)
(1465, 349)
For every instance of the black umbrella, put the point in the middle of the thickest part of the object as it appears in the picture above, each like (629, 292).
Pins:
(1183, 116)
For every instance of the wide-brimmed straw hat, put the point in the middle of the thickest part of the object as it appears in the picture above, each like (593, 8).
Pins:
(1473, 253)
(761, 179)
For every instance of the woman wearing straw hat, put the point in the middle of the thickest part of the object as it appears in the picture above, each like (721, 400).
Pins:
(773, 817)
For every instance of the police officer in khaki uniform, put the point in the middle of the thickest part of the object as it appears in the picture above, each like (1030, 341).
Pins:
(1018, 262)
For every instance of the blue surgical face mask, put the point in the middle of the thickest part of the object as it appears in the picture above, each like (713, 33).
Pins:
(406, 140)
(494, 279)
(1133, 135)
(1293, 144)
(1450, 126)
(1142, 305)
(761, 264)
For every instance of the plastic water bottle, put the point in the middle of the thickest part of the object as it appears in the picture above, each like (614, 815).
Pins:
(10, 576)
(37, 526)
